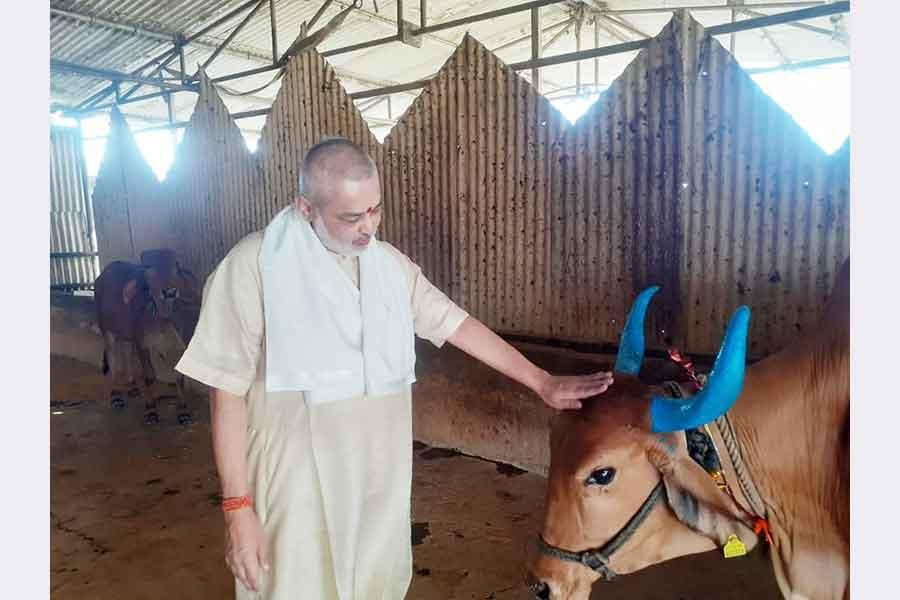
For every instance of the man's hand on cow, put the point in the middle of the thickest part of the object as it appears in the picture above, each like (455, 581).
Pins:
(566, 392)
(246, 549)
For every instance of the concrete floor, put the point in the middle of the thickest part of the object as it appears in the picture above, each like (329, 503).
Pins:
(134, 514)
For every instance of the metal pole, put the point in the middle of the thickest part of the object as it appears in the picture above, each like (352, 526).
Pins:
(169, 110)
(596, 60)
(610, 28)
(365, 106)
(832, 8)
(509, 10)
(796, 66)
(171, 115)
(226, 17)
(72, 254)
(305, 41)
(527, 38)
(401, 26)
(319, 13)
(621, 22)
(578, 63)
(784, 58)
(423, 13)
(734, 13)
(110, 88)
(102, 107)
(179, 44)
(230, 37)
(361, 46)
(391, 89)
(246, 73)
(573, 56)
(536, 46)
(152, 73)
(272, 22)
(805, 26)
(731, 42)
(89, 230)
(61, 65)
(252, 113)
(558, 34)
(181, 124)
(519, 66)
(243, 115)
(808, 13)
(705, 7)
(96, 97)
(92, 20)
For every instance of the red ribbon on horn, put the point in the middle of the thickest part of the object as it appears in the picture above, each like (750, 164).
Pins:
(686, 364)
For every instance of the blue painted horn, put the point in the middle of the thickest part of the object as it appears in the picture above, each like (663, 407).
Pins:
(722, 388)
(631, 347)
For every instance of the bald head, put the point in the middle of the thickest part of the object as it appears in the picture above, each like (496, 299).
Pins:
(329, 164)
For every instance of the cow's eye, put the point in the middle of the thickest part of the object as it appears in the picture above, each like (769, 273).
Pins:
(602, 476)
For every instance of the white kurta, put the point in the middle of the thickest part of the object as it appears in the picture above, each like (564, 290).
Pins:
(331, 483)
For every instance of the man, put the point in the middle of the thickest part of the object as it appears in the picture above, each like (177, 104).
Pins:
(306, 337)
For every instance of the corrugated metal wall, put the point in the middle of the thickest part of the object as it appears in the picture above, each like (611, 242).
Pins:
(467, 173)
(684, 174)
(131, 210)
(215, 185)
(765, 211)
(617, 172)
(73, 260)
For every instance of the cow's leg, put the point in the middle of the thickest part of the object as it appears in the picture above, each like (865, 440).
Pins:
(112, 368)
(151, 415)
(184, 413)
(129, 368)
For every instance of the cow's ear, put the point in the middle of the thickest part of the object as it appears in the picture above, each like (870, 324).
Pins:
(693, 494)
(129, 291)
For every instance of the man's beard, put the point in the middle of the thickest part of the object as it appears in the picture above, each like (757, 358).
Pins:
(342, 248)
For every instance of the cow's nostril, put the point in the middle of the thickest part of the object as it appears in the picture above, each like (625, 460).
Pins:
(540, 590)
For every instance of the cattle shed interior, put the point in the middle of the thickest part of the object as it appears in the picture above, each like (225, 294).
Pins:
(543, 162)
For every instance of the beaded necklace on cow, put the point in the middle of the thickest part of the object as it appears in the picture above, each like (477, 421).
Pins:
(729, 438)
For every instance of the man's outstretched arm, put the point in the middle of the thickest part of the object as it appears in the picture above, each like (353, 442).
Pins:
(475, 339)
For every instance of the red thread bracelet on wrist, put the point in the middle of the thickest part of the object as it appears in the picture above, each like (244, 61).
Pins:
(236, 503)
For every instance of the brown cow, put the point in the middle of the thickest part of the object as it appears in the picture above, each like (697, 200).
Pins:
(133, 302)
(623, 492)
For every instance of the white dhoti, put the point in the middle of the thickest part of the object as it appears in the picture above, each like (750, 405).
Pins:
(331, 482)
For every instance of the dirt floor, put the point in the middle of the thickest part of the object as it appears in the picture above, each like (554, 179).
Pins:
(134, 514)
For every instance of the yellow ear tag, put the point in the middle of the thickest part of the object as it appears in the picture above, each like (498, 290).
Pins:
(734, 547)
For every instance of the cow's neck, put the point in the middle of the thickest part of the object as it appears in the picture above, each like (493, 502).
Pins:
(792, 422)
(741, 486)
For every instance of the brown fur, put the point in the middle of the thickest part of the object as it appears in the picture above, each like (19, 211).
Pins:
(132, 301)
(792, 421)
